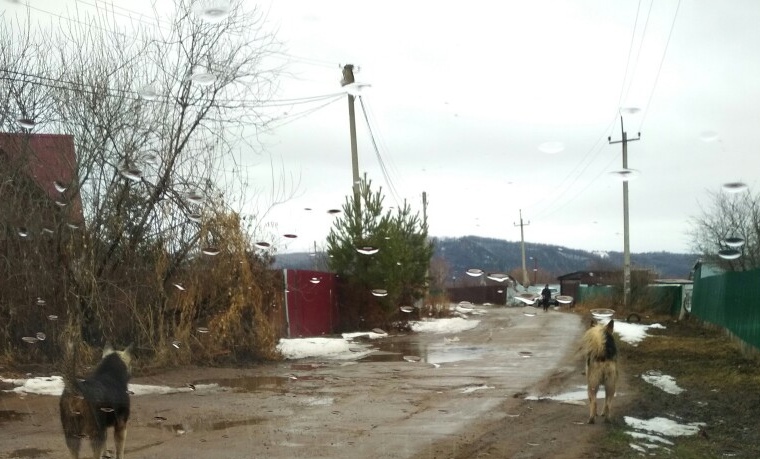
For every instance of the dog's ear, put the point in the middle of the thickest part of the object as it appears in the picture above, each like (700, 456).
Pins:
(107, 349)
(610, 326)
(130, 349)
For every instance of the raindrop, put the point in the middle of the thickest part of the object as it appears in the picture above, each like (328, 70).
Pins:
(356, 89)
(60, 187)
(176, 343)
(625, 174)
(149, 158)
(131, 173)
(23, 232)
(379, 331)
(333, 211)
(262, 245)
(465, 305)
(216, 12)
(708, 136)
(26, 123)
(194, 197)
(60, 203)
(211, 251)
(106, 409)
(411, 358)
(734, 241)
(290, 236)
(499, 291)
(179, 287)
(734, 187)
(314, 280)
(630, 110)
(552, 147)
(159, 418)
(40, 301)
(525, 354)
(527, 298)
(29, 339)
(367, 250)
(530, 311)
(148, 92)
(41, 336)
(202, 329)
(380, 292)
(729, 254)
(406, 309)
(72, 226)
(602, 313)
(474, 272)
(564, 299)
(195, 217)
(307, 208)
(202, 77)
(47, 230)
(52, 317)
(498, 277)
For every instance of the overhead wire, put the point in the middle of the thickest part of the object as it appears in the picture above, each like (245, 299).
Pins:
(381, 162)
(638, 53)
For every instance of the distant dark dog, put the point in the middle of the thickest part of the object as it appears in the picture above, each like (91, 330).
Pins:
(90, 406)
(598, 346)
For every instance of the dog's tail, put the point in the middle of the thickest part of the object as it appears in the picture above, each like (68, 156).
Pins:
(71, 354)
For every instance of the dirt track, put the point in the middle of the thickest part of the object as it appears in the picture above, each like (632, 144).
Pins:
(382, 409)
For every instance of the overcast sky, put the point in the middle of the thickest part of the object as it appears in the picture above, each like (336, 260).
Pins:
(466, 96)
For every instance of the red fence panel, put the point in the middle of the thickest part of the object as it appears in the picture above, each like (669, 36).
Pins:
(310, 299)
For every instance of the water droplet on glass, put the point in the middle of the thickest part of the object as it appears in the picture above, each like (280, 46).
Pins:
(148, 92)
(289, 235)
(625, 175)
(201, 76)
(333, 211)
(367, 250)
(40, 301)
(262, 245)
(379, 292)
(307, 208)
(552, 148)
(72, 226)
(159, 418)
(525, 354)
(179, 287)
(52, 317)
(314, 280)
(106, 409)
(41, 336)
(406, 309)
(194, 197)
(500, 291)
(602, 313)
(29, 339)
(131, 173)
(60, 187)
(215, 12)
(202, 329)
(23, 232)
(176, 344)
(60, 203)
(379, 331)
(26, 123)
(734, 241)
(708, 136)
(498, 277)
(527, 298)
(211, 251)
(729, 254)
(734, 187)
(195, 217)
(474, 272)
(149, 158)
(564, 299)
(411, 358)
(47, 230)
(530, 311)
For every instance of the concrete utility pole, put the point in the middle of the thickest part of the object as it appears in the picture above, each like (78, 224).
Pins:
(526, 281)
(348, 78)
(626, 240)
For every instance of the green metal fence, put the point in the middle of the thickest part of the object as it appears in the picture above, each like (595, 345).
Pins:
(730, 300)
(666, 297)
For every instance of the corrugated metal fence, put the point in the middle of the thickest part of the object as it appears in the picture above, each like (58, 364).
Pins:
(730, 300)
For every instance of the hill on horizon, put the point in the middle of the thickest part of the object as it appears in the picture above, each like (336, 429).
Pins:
(498, 255)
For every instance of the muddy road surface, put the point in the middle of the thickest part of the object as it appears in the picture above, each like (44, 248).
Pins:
(462, 399)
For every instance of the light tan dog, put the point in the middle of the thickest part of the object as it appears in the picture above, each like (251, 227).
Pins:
(598, 346)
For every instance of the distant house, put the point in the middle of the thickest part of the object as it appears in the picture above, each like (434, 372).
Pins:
(37, 181)
(569, 284)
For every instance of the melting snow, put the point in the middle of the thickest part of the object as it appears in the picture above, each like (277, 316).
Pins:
(664, 382)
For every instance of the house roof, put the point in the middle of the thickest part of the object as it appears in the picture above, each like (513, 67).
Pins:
(47, 159)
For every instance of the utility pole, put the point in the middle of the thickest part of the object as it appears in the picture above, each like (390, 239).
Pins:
(348, 78)
(626, 239)
(526, 281)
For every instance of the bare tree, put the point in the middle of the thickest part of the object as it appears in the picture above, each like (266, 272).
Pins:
(728, 220)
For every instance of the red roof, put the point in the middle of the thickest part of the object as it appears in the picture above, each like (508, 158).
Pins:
(48, 158)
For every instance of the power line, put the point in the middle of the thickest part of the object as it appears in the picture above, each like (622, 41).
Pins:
(638, 53)
(380, 161)
(630, 49)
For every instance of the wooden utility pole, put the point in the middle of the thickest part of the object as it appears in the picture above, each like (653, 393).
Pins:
(348, 78)
(526, 281)
(626, 239)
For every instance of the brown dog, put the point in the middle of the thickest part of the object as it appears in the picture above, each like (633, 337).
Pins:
(598, 346)
(90, 406)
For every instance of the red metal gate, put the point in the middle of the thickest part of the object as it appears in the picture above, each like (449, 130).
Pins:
(310, 300)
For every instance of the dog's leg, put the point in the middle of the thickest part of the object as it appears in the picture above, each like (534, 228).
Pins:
(120, 435)
(73, 442)
(98, 444)
(592, 403)
(609, 393)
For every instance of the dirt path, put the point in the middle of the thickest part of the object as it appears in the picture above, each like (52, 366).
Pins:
(467, 405)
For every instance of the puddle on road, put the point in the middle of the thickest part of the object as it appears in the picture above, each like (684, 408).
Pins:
(433, 353)
(249, 383)
(202, 426)
(11, 415)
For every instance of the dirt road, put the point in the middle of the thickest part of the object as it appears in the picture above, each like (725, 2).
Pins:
(463, 399)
